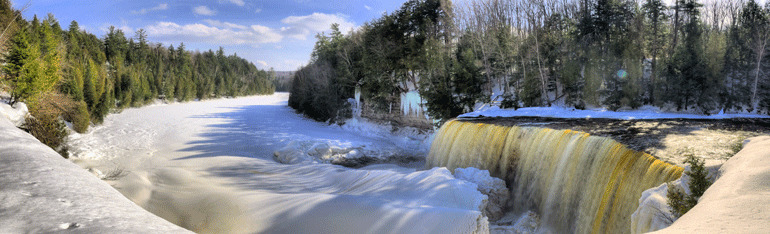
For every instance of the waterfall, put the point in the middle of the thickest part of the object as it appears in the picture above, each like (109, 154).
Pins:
(578, 183)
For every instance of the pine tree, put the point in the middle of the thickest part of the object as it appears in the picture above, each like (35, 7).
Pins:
(691, 81)
(655, 12)
(24, 69)
(755, 22)
(89, 90)
(51, 57)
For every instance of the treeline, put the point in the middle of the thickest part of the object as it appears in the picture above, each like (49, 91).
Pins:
(576, 53)
(81, 77)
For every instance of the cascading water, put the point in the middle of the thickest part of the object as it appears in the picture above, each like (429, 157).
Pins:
(578, 183)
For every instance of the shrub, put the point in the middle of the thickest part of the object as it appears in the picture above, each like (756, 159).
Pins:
(681, 202)
(79, 117)
(678, 200)
(699, 179)
(48, 129)
(509, 101)
(115, 174)
(46, 124)
(737, 146)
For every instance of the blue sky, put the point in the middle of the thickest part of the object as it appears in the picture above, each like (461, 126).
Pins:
(269, 33)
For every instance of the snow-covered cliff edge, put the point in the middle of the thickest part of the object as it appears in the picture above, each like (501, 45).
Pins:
(739, 201)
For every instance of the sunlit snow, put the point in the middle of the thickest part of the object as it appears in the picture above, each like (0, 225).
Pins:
(189, 162)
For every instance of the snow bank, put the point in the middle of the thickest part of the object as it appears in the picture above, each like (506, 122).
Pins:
(653, 212)
(42, 192)
(323, 198)
(646, 112)
(493, 188)
(16, 114)
(738, 201)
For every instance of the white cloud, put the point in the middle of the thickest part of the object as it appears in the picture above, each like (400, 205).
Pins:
(220, 24)
(159, 7)
(236, 2)
(215, 32)
(368, 8)
(127, 30)
(262, 63)
(204, 10)
(258, 10)
(300, 27)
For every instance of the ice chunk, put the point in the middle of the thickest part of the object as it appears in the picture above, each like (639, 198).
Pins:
(653, 213)
(292, 153)
(493, 187)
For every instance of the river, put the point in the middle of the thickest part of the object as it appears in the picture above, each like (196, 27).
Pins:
(208, 166)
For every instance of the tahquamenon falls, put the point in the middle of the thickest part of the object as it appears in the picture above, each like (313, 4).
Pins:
(576, 182)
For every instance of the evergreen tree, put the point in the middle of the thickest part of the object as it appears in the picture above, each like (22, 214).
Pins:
(688, 69)
(24, 69)
(755, 23)
(51, 56)
(89, 90)
(92, 73)
(655, 12)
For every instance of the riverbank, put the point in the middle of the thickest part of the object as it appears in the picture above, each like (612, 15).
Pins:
(42, 192)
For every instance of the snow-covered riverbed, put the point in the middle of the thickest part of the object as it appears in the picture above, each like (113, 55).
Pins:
(208, 166)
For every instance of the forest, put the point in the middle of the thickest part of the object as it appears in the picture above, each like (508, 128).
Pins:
(687, 56)
(78, 77)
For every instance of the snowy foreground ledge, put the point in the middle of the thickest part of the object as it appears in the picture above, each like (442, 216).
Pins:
(736, 203)
(646, 112)
(41, 192)
(739, 201)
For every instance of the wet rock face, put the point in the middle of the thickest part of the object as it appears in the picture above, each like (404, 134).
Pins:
(494, 188)
(356, 162)
(362, 161)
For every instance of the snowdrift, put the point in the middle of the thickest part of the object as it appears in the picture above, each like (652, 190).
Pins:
(739, 201)
(42, 192)
(340, 200)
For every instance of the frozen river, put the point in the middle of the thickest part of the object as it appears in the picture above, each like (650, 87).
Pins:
(208, 166)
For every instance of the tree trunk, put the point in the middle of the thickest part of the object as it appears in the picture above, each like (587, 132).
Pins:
(676, 28)
(540, 71)
(761, 53)
(654, 74)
